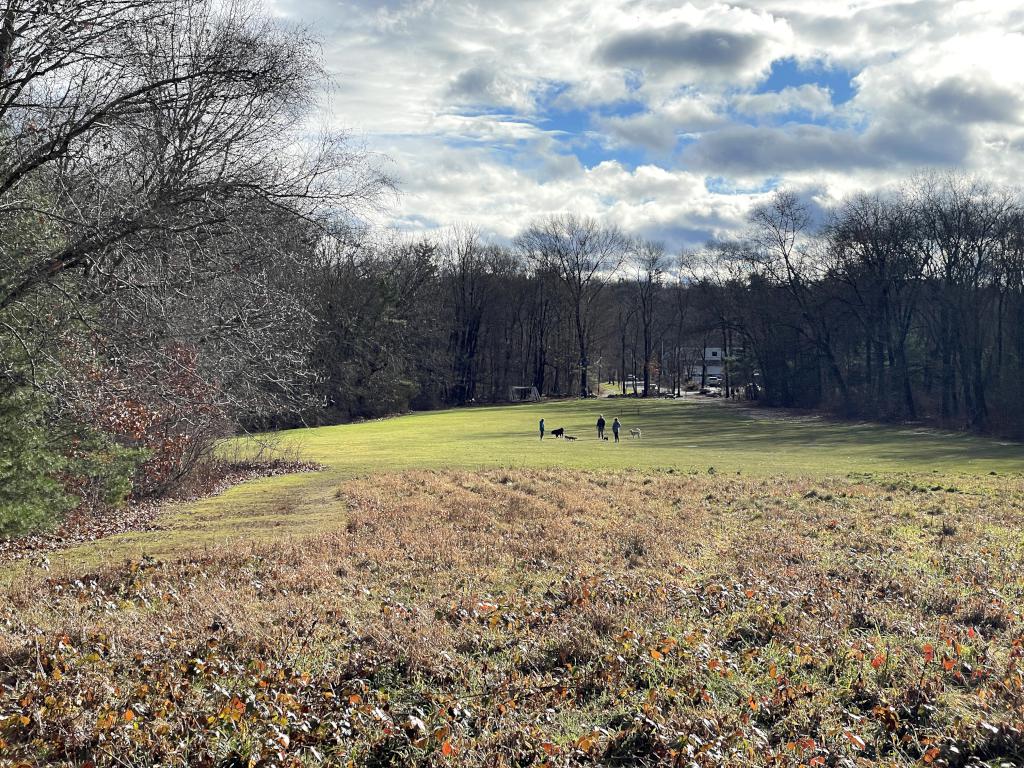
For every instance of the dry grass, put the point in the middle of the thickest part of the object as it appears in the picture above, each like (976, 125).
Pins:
(548, 617)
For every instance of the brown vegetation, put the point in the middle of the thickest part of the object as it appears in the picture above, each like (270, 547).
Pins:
(548, 618)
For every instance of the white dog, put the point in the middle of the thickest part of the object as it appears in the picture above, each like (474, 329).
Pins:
(634, 432)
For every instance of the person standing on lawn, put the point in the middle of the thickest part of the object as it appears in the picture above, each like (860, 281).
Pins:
(542, 429)
(600, 427)
(616, 426)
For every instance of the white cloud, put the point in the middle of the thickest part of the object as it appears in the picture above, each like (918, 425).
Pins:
(661, 127)
(447, 185)
(464, 97)
(812, 99)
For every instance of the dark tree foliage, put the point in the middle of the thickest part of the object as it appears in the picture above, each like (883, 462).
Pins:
(904, 306)
(378, 337)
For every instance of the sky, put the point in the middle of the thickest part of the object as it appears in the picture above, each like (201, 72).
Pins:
(671, 120)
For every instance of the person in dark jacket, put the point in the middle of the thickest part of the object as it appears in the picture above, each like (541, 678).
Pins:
(542, 429)
(600, 427)
(616, 426)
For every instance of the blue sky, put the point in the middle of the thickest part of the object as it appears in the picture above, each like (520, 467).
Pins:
(792, 73)
(671, 120)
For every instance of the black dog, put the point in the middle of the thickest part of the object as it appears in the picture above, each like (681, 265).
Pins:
(560, 432)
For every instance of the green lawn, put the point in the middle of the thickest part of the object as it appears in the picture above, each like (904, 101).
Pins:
(692, 435)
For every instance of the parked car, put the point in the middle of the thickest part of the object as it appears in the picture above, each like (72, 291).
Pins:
(714, 381)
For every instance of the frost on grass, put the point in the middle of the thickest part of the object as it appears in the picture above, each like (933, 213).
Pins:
(548, 618)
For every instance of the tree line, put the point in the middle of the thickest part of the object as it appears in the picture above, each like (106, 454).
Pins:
(903, 305)
(900, 306)
(456, 319)
(180, 257)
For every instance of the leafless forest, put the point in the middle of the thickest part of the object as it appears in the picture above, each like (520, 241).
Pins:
(181, 256)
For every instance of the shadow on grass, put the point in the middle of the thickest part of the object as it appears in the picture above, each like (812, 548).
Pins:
(726, 428)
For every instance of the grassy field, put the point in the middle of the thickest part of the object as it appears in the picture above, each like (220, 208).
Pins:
(693, 434)
(685, 436)
(734, 589)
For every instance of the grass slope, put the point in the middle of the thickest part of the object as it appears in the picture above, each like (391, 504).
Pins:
(686, 436)
(693, 434)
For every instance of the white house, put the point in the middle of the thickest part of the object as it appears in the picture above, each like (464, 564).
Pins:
(713, 361)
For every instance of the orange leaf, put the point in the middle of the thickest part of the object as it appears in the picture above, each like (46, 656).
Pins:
(854, 739)
(878, 661)
(447, 749)
(929, 652)
(128, 715)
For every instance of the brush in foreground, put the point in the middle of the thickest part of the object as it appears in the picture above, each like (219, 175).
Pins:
(548, 618)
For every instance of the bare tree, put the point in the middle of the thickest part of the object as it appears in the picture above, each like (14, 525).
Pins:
(647, 262)
(148, 117)
(161, 197)
(787, 255)
(156, 178)
(874, 251)
(965, 223)
(583, 255)
(473, 269)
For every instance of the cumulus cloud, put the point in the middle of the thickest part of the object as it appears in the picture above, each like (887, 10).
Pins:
(683, 47)
(496, 112)
(812, 99)
(647, 199)
(966, 101)
(476, 83)
(487, 84)
(661, 127)
(746, 150)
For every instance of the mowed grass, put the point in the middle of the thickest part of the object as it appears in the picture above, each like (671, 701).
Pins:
(695, 435)
(547, 617)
